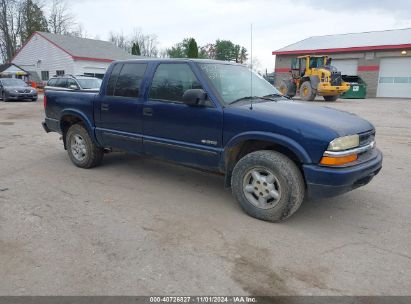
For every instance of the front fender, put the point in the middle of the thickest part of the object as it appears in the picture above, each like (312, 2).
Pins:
(278, 139)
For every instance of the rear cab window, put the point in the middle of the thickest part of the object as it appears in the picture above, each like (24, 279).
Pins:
(126, 79)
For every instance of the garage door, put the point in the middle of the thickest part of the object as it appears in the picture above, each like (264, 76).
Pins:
(395, 78)
(346, 66)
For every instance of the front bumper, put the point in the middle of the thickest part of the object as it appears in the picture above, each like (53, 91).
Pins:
(325, 181)
(20, 96)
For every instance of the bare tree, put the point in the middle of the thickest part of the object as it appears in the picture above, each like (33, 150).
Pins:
(148, 43)
(256, 64)
(78, 31)
(60, 19)
(10, 28)
(120, 40)
(163, 53)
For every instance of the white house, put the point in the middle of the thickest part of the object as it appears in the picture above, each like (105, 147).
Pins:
(49, 54)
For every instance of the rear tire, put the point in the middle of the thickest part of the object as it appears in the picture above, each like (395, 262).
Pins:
(268, 185)
(307, 93)
(83, 152)
(331, 98)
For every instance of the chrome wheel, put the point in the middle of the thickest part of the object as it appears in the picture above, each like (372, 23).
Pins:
(78, 147)
(261, 188)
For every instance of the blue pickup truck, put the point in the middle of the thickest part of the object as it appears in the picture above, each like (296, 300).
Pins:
(219, 117)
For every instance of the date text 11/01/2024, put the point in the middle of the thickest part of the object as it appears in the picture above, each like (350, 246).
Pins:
(203, 299)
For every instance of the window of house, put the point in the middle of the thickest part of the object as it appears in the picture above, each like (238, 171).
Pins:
(170, 81)
(60, 72)
(45, 75)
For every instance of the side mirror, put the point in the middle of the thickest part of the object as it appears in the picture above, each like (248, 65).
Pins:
(194, 97)
(73, 87)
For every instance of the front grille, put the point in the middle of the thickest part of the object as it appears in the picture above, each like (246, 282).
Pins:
(336, 79)
(24, 91)
(367, 137)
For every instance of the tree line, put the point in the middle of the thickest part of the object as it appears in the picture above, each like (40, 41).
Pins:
(19, 19)
(147, 45)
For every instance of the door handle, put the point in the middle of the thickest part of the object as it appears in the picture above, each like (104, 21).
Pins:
(104, 107)
(148, 112)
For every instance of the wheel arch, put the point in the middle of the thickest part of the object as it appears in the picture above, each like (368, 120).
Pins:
(72, 117)
(246, 143)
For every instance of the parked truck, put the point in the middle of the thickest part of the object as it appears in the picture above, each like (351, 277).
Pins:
(201, 113)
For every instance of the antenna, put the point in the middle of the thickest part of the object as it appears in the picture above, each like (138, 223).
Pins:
(251, 70)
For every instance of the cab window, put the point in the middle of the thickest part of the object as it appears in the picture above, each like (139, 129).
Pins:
(52, 82)
(171, 80)
(71, 82)
(61, 83)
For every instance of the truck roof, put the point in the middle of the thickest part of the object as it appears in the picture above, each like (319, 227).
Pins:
(179, 60)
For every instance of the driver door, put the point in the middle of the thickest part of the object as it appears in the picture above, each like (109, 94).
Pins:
(176, 131)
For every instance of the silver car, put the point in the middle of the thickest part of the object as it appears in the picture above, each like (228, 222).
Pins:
(73, 83)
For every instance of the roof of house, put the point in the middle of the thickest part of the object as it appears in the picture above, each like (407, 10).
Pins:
(87, 49)
(5, 66)
(352, 42)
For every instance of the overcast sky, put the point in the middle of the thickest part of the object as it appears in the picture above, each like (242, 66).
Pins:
(275, 23)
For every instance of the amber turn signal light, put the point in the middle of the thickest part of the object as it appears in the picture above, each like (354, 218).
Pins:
(337, 161)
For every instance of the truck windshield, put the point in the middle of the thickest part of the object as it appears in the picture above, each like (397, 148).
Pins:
(233, 82)
(89, 83)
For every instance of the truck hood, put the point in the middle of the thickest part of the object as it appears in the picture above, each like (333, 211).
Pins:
(341, 122)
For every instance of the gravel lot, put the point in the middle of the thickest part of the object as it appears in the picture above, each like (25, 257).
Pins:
(141, 227)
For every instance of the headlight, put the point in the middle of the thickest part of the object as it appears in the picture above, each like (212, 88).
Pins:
(344, 143)
(15, 91)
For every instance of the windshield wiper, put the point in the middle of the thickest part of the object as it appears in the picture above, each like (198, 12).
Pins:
(243, 98)
(254, 97)
(277, 95)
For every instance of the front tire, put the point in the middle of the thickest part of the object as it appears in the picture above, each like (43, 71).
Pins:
(307, 93)
(83, 152)
(331, 98)
(3, 96)
(268, 185)
(287, 88)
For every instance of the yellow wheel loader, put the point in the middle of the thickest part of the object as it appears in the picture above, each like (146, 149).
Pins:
(312, 76)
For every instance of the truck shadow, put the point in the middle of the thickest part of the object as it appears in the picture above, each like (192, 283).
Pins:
(174, 176)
